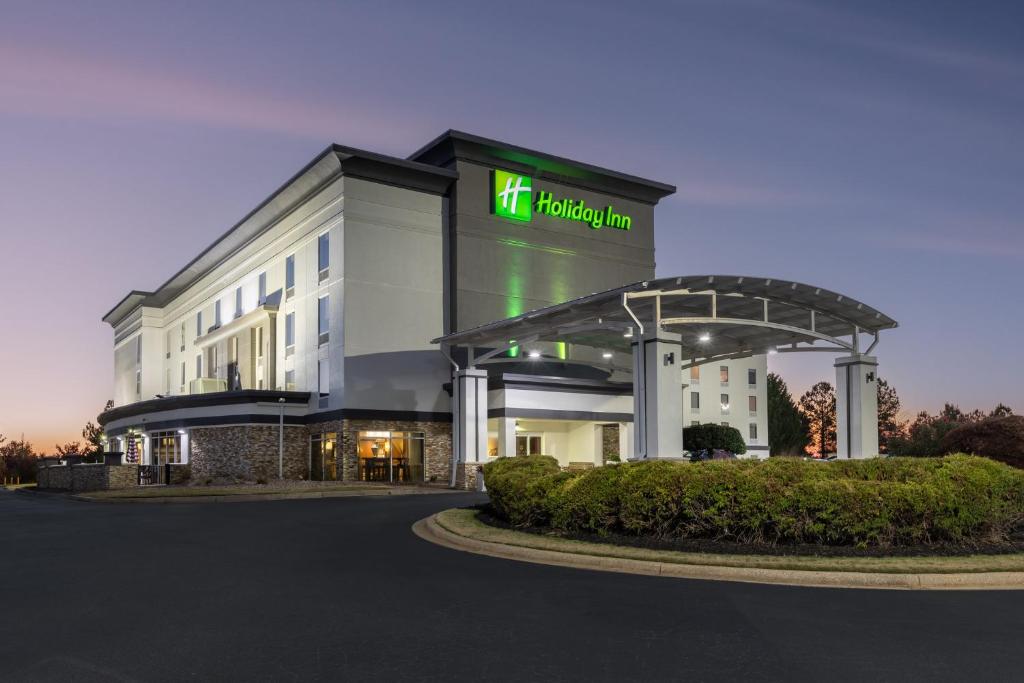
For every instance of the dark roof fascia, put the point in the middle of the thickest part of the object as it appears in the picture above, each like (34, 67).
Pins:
(129, 303)
(567, 384)
(333, 162)
(454, 144)
(217, 398)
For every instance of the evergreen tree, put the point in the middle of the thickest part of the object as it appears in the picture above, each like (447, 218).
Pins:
(787, 433)
(889, 425)
(818, 406)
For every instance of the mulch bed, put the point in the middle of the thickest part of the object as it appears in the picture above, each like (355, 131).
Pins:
(708, 545)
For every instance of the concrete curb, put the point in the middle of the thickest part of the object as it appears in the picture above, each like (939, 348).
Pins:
(248, 498)
(430, 530)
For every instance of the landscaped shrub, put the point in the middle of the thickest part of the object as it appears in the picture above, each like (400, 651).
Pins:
(958, 499)
(711, 436)
(999, 438)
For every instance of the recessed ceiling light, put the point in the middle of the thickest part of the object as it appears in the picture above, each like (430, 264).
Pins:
(705, 337)
(534, 354)
(606, 354)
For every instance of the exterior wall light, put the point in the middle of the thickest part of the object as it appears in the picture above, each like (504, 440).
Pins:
(629, 333)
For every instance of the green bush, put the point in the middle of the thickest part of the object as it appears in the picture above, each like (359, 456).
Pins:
(883, 502)
(712, 436)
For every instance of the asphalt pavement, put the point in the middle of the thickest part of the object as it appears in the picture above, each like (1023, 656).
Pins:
(341, 589)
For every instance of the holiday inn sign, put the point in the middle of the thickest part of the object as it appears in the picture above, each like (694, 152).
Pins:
(512, 197)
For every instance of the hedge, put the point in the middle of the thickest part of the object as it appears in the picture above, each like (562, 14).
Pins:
(958, 499)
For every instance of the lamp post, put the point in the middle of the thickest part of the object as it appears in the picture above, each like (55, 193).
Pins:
(280, 441)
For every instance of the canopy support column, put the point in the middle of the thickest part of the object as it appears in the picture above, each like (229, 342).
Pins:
(856, 406)
(506, 437)
(657, 396)
(470, 432)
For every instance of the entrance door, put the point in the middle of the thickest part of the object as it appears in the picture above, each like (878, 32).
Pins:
(323, 457)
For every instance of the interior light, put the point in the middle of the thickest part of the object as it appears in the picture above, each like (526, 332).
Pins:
(534, 354)
(705, 337)
(606, 354)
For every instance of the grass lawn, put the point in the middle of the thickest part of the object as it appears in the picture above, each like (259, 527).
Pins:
(464, 522)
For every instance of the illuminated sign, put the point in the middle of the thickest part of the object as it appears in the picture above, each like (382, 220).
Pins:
(512, 197)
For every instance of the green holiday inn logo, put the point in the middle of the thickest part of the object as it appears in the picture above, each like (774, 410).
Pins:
(512, 197)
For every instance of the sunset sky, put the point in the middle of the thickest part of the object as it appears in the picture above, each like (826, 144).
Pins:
(873, 148)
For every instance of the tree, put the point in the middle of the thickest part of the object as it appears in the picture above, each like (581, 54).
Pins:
(818, 406)
(1001, 410)
(999, 438)
(710, 436)
(17, 459)
(93, 435)
(787, 433)
(70, 448)
(889, 424)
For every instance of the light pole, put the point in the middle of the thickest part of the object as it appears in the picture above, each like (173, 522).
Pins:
(280, 441)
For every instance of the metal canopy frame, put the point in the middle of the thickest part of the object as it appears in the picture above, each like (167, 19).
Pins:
(719, 317)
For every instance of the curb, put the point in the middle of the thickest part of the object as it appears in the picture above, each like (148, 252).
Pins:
(430, 530)
(253, 497)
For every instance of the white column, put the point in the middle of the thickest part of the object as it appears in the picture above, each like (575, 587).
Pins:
(598, 444)
(857, 406)
(471, 444)
(658, 396)
(506, 436)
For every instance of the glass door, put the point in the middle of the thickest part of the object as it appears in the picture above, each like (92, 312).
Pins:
(529, 444)
(395, 457)
(323, 460)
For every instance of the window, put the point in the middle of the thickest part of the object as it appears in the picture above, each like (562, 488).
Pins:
(183, 337)
(389, 456)
(752, 377)
(165, 448)
(529, 444)
(262, 296)
(324, 317)
(138, 382)
(752, 404)
(238, 302)
(694, 402)
(289, 380)
(183, 377)
(695, 374)
(199, 324)
(323, 457)
(289, 334)
(323, 377)
(216, 313)
(170, 342)
(323, 256)
(138, 350)
(259, 341)
(167, 383)
(289, 275)
(199, 366)
(725, 403)
(723, 375)
(753, 432)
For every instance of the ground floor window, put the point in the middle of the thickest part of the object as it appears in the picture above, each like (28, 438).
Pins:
(390, 456)
(529, 444)
(165, 448)
(323, 457)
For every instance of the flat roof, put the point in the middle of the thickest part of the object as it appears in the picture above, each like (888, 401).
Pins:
(334, 161)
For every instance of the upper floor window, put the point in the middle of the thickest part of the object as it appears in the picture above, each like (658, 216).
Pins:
(289, 380)
(695, 374)
(723, 374)
(238, 302)
(694, 401)
(183, 377)
(725, 403)
(323, 256)
(216, 313)
(262, 295)
(289, 275)
(752, 377)
(199, 324)
(289, 334)
(138, 350)
(753, 432)
(752, 404)
(324, 316)
(183, 336)
(199, 366)
(324, 377)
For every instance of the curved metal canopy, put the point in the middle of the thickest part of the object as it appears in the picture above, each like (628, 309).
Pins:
(717, 316)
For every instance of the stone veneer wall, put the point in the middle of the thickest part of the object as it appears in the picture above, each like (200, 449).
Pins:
(87, 477)
(247, 453)
(437, 443)
(610, 443)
